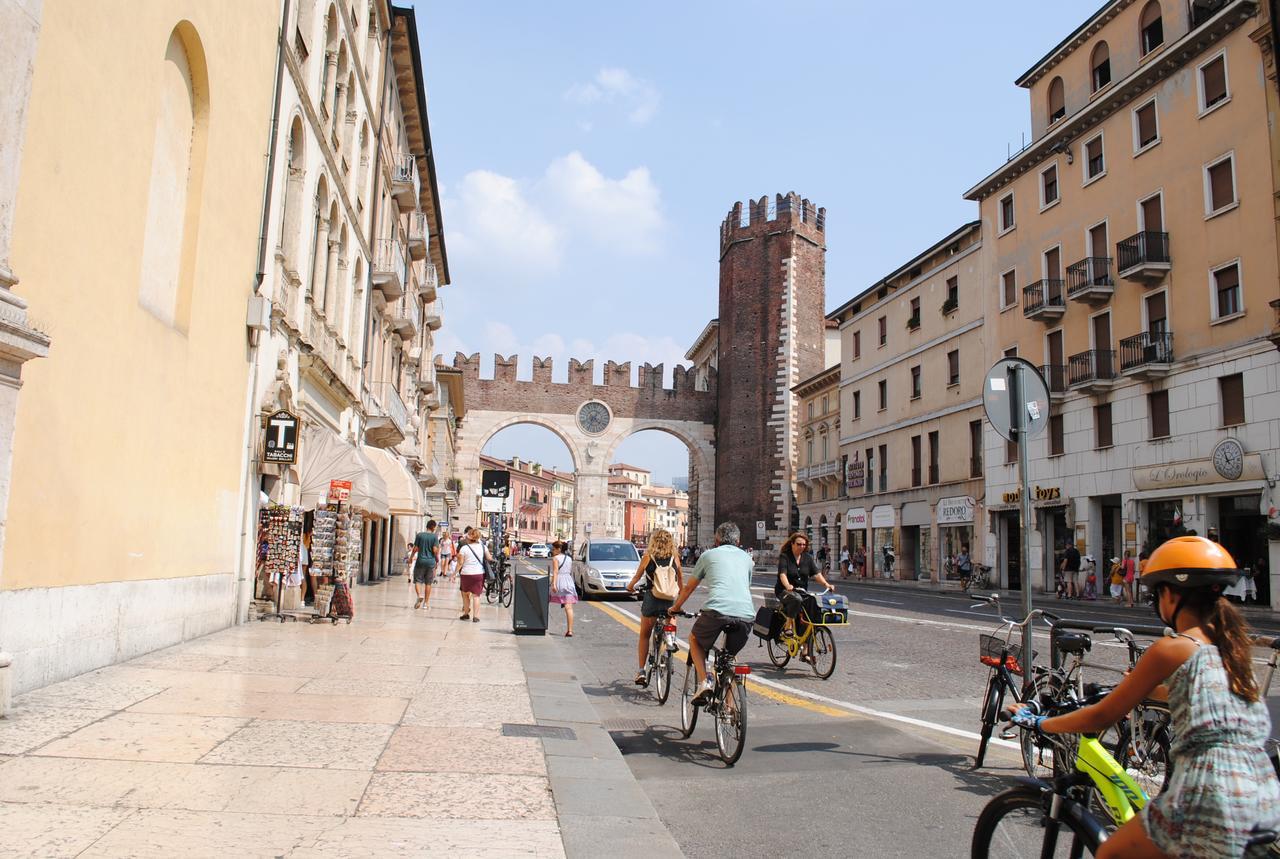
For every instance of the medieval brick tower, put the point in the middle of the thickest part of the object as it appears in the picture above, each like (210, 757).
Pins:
(771, 336)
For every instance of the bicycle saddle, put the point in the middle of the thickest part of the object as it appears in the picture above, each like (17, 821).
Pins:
(1072, 642)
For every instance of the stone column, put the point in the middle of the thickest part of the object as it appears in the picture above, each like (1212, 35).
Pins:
(591, 492)
(331, 284)
(342, 290)
(319, 260)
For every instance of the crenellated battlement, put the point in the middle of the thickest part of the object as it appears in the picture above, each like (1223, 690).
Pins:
(785, 211)
(648, 398)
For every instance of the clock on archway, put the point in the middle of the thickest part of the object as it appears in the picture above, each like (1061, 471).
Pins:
(594, 417)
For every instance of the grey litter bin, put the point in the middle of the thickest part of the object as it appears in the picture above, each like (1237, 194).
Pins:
(529, 611)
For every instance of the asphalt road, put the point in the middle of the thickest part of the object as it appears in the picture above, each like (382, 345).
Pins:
(873, 761)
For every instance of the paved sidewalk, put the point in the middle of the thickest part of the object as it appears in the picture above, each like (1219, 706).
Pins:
(379, 738)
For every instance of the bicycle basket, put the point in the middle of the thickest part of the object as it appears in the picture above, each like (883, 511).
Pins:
(991, 646)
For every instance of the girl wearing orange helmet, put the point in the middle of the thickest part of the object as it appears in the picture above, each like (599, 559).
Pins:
(1223, 784)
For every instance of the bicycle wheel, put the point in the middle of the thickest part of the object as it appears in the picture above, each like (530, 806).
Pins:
(731, 721)
(779, 655)
(1143, 749)
(824, 652)
(990, 708)
(1014, 824)
(508, 589)
(1044, 758)
(688, 712)
(490, 591)
(662, 685)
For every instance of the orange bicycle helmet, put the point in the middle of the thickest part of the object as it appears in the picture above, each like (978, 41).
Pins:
(1190, 562)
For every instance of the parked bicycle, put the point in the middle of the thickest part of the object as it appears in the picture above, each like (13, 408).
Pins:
(1004, 658)
(499, 586)
(979, 580)
(728, 704)
(663, 649)
(808, 637)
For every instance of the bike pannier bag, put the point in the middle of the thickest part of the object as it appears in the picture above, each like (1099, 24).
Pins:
(665, 586)
(768, 623)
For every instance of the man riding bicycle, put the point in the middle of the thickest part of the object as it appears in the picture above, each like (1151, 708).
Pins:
(728, 609)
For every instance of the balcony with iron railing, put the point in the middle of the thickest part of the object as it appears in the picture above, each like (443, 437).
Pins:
(424, 275)
(1094, 370)
(820, 470)
(387, 419)
(406, 317)
(1146, 355)
(390, 272)
(434, 316)
(1055, 379)
(1144, 257)
(418, 230)
(404, 181)
(427, 378)
(1044, 300)
(1089, 280)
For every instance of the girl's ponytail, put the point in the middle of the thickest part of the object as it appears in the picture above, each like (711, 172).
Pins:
(1228, 630)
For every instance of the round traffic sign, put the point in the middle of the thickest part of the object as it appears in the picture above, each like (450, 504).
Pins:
(1016, 397)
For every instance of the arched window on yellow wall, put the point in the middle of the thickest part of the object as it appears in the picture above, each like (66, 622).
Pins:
(177, 175)
(1151, 28)
(1057, 101)
(1101, 66)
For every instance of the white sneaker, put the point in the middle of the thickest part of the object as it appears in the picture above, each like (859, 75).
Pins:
(705, 693)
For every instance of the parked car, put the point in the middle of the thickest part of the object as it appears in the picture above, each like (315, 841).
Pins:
(539, 550)
(603, 567)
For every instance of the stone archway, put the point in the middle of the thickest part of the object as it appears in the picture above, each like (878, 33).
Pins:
(592, 435)
(700, 441)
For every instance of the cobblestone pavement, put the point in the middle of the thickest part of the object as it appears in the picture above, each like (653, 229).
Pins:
(378, 738)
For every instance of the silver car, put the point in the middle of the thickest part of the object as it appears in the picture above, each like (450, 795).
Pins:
(603, 567)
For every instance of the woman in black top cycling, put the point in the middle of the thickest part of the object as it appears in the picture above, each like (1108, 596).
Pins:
(796, 566)
(661, 552)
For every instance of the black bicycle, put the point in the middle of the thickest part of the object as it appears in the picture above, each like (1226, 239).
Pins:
(728, 704)
(498, 586)
(658, 665)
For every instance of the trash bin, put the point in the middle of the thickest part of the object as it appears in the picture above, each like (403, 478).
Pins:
(529, 611)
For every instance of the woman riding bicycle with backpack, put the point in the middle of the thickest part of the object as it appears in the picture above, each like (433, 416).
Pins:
(660, 567)
(1223, 786)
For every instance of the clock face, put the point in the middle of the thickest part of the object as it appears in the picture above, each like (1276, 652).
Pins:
(1228, 459)
(594, 417)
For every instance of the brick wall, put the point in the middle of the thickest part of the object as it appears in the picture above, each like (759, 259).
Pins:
(772, 315)
(647, 399)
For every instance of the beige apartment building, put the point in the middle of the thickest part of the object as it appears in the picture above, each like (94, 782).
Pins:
(357, 260)
(562, 490)
(910, 424)
(819, 475)
(135, 235)
(1132, 254)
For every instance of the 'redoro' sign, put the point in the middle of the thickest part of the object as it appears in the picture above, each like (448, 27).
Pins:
(955, 511)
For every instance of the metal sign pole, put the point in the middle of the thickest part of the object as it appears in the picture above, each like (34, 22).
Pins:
(1017, 424)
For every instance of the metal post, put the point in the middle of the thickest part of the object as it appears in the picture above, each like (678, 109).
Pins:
(1017, 426)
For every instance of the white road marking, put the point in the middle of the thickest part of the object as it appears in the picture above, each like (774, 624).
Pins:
(857, 708)
(882, 602)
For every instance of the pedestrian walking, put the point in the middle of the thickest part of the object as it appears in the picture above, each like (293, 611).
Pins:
(1117, 581)
(472, 566)
(844, 562)
(1127, 570)
(425, 554)
(860, 562)
(446, 552)
(1070, 568)
(563, 591)
(1089, 572)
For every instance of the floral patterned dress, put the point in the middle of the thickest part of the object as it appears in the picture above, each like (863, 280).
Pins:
(1223, 784)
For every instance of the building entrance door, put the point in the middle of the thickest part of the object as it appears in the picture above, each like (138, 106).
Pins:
(1012, 552)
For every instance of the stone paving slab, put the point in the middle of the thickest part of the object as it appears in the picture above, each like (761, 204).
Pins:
(381, 738)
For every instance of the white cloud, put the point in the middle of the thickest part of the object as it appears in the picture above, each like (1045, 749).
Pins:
(511, 227)
(624, 212)
(492, 220)
(616, 86)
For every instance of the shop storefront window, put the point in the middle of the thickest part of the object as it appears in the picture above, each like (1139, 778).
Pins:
(1164, 522)
(885, 558)
(953, 539)
(924, 554)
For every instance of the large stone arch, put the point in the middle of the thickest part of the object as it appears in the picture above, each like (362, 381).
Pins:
(700, 440)
(492, 405)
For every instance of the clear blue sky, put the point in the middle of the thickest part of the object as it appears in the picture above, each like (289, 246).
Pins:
(587, 153)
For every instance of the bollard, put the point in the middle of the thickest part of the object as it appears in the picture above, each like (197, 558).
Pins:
(6, 684)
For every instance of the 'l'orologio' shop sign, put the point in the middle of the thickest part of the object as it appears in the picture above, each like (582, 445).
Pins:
(1193, 472)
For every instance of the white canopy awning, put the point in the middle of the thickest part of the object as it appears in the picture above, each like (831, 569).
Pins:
(404, 496)
(326, 457)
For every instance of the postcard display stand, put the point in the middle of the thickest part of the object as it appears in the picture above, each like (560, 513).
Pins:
(280, 530)
(335, 557)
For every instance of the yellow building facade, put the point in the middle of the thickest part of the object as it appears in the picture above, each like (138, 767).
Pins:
(1131, 253)
(135, 230)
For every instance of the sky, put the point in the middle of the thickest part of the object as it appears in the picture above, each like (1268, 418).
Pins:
(587, 153)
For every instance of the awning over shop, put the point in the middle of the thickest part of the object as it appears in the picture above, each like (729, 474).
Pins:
(326, 457)
(404, 497)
